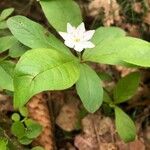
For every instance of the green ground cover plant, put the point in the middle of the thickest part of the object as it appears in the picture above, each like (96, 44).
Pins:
(48, 63)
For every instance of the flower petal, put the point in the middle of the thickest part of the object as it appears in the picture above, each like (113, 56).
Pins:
(64, 35)
(88, 35)
(81, 28)
(88, 44)
(69, 43)
(79, 47)
(70, 28)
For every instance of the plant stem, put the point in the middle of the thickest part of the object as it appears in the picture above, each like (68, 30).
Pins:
(80, 56)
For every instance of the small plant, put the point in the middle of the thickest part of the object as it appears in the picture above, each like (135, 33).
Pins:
(10, 48)
(123, 91)
(51, 65)
(25, 129)
(3, 144)
(7, 143)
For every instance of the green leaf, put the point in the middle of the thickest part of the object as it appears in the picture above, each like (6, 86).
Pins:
(37, 148)
(3, 144)
(125, 126)
(89, 88)
(6, 75)
(33, 129)
(40, 70)
(6, 42)
(6, 13)
(4, 32)
(126, 87)
(3, 25)
(34, 35)
(23, 111)
(105, 76)
(18, 129)
(101, 39)
(59, 13)
(106, 98)
(114, 51)
(17, 50)
(25, 141)
(103, 33)
(136, 51)
(15, 117)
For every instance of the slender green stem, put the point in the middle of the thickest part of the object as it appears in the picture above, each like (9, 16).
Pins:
(79, 55)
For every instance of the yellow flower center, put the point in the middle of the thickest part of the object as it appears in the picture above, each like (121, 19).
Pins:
(77, 40)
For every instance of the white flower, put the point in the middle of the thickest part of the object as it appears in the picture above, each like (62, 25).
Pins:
(78, 38)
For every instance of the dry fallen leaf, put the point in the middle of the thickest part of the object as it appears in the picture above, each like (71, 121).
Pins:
(146, 18)
(68, 116)
(5, 103)
(135, 145)
(97, 133)
(110, 8)
(86, 142)
(108, 146)
(125, 71)
(137, 7)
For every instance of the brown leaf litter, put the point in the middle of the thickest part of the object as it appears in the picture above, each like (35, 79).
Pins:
(99, 133)
(109, 8)
(68, 117)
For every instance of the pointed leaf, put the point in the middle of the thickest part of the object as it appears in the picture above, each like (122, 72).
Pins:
(136, 52)
(116, 50)
(126, 87)
(34, 35)
(6, 42)
(6, 13)
(40, 70)
(17, 50)
(6, 75)
(125, 126)
(101, 39)
(89, 88)
(59, 13)
(103, 33)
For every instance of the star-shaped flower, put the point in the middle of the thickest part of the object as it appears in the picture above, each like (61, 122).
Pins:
(78, 38)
